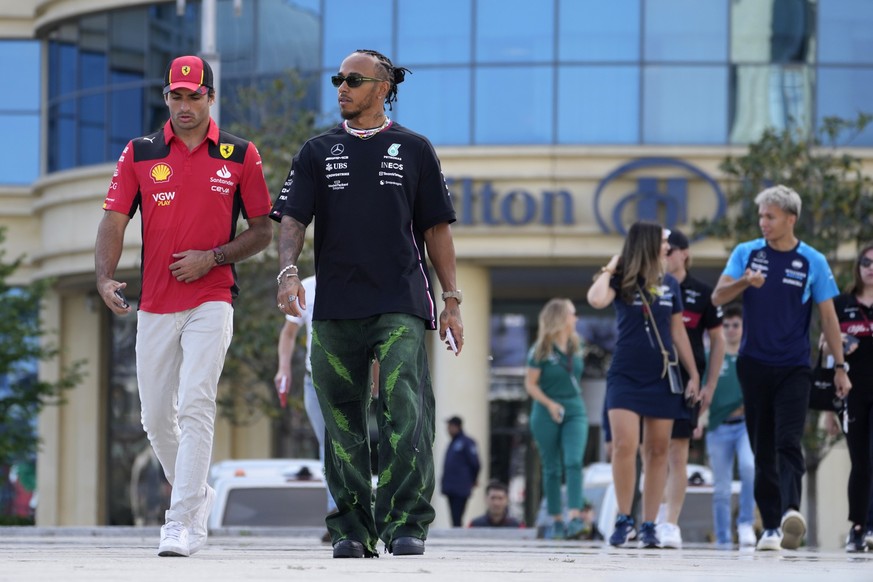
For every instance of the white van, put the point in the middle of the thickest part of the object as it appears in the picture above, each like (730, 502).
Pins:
(268, 492)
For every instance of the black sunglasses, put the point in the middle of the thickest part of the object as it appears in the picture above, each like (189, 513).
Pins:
(865, 262)
(353, 80)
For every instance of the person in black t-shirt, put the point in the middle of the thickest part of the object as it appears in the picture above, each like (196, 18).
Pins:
(855, 313)
(380, 202)
(700, 316)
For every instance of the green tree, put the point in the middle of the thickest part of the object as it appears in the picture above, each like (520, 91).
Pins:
(837, 217)
(278, 116)
(22, 393)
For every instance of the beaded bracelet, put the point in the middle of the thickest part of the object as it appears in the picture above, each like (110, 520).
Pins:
(282, 272)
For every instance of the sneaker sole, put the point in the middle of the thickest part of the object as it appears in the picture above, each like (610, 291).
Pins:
(171, 553)
(793, 531)
(773, 546)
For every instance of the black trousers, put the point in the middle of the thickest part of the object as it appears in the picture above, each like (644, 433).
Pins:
(858, 439)
(776, 401)
(457, 505)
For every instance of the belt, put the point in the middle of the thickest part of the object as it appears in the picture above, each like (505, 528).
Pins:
(734, 420)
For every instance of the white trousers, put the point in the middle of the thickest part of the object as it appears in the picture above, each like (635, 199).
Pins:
(179, 358)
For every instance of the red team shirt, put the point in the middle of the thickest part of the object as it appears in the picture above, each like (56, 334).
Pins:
(189, 200)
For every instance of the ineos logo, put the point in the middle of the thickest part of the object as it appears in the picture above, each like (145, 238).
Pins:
(337, 149)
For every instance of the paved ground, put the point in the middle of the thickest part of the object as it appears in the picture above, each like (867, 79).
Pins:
(129, 555)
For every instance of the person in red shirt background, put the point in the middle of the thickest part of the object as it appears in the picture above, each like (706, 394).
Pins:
(190, 181)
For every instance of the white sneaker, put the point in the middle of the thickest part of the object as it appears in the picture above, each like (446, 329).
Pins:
(174, 540)
(746, 535)
(771, 540)
(200, 527)
(793, 529)
(670, 535)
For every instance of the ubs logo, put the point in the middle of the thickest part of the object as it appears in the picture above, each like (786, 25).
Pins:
(659, 198)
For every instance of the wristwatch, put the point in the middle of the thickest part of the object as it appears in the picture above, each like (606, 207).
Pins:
(457, 295)
(218, 255)
(844, 366)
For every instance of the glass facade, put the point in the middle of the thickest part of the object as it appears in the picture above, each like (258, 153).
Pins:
(106, 70)
(19, 111)
(485, 72)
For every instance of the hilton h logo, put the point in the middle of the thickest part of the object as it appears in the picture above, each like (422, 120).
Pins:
(663, 200)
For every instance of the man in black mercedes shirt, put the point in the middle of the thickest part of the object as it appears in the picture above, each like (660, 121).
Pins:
(380, 201)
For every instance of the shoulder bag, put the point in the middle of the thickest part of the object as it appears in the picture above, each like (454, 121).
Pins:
(671, 366)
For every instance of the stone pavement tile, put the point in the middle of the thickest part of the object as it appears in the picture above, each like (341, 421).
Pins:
(98, 554)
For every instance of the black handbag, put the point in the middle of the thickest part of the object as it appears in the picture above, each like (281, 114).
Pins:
(823, 394)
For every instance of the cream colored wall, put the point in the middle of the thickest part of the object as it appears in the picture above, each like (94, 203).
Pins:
(22, 230)
(70, 465)
(246, 442)
(461, 384)
(833, 501)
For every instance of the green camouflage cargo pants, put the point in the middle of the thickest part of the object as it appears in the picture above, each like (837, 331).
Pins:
(342, 351)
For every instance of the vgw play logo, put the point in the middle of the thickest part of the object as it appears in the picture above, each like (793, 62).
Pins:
(659, 193)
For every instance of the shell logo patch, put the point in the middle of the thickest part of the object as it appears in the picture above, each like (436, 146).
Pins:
(226, 150)
(161, 172)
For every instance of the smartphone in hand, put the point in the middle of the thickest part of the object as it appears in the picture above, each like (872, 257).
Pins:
(451, 339)
(122, 298)
(850, 342)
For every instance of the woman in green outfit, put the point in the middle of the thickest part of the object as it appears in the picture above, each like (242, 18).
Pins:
(558, 420)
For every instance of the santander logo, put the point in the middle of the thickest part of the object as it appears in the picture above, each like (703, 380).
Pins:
(223, 173)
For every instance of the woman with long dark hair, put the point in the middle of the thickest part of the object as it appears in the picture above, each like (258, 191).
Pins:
(648, 307)
(855, 312)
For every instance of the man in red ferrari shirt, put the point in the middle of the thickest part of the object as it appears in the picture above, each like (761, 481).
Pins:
(190, 182)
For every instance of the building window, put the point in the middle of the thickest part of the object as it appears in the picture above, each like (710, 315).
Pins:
(598, 104)
(19, 111)
(606, 32)
(515, 31)
(686, 105)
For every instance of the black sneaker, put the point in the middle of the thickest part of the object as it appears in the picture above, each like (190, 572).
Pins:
(855, 542)
(624, 529)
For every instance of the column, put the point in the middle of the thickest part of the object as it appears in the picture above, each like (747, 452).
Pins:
(461, 384)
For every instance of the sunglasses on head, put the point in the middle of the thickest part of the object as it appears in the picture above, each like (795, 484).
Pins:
(352, 80)
(865, 262)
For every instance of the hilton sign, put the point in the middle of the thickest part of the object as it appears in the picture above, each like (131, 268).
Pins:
(660, 191)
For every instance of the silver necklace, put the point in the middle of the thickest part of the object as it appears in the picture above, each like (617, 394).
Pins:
(365, 133)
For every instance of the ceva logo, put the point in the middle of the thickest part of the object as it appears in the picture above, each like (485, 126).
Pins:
(657, 196)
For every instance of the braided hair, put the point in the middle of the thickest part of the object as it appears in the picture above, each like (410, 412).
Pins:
(395, 75)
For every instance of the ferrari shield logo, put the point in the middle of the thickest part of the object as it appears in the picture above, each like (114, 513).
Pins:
(226, 150)
(185, 70)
